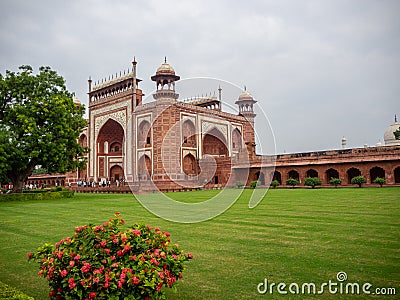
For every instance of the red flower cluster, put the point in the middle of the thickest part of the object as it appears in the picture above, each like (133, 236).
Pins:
(104, 262)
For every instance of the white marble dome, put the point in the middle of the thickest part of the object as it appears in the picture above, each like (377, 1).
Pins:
(245, 95)
(389, 137)
(76, 100)
(165, 68)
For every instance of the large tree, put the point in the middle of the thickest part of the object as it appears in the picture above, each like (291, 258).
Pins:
(39, 125)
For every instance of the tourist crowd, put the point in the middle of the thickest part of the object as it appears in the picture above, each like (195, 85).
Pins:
(101, 183)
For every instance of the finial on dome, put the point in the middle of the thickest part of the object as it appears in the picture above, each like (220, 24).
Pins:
(165, 59)
(245, 87)
(395, 118)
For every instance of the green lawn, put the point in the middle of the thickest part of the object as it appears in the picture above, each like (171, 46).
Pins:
(293, 236)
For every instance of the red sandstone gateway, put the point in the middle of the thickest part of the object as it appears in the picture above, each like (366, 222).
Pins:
(180, 145)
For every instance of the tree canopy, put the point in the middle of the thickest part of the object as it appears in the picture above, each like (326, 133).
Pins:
(379, 180)
(39, 125)
(335, 181)
(274, 183)
(358, 180)
(312, 181)
(292, 181)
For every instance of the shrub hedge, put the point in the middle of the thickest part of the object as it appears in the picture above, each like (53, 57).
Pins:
(9, 293)
(108, 262)
(37, 196)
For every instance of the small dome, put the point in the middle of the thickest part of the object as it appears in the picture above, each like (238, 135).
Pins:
(76, 100)
(389, 138)
(245, 95)
(165, 68)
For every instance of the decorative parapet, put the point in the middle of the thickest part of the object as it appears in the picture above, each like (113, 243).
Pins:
(340, 156)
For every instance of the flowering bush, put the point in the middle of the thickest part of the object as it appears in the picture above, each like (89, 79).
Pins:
(103, 262)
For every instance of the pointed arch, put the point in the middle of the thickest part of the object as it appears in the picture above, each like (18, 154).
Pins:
(376, 172)
(116, 147)
(111, 132)
(396, 173)
(276, 175)
(311, 173)
(294, 174)
(351, 173)
(237, 142)
(188, 134)
(83, 141)
(214, 143)
(145, 167)
(190, 165)
(260, 177)
(331, 173)
(116, 173)
(144, 134)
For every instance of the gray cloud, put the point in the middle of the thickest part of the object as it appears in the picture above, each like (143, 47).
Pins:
(319, 69)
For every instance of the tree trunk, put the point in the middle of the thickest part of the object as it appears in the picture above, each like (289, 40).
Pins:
(17, 186)
(18, 178)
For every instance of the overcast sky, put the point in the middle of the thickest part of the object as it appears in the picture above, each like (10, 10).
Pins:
(319, 70)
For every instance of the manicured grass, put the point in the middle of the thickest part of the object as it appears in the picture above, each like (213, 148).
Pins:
(294, 235)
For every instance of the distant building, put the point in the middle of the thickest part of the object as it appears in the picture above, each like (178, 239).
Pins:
(389, 136)
(170, 143)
